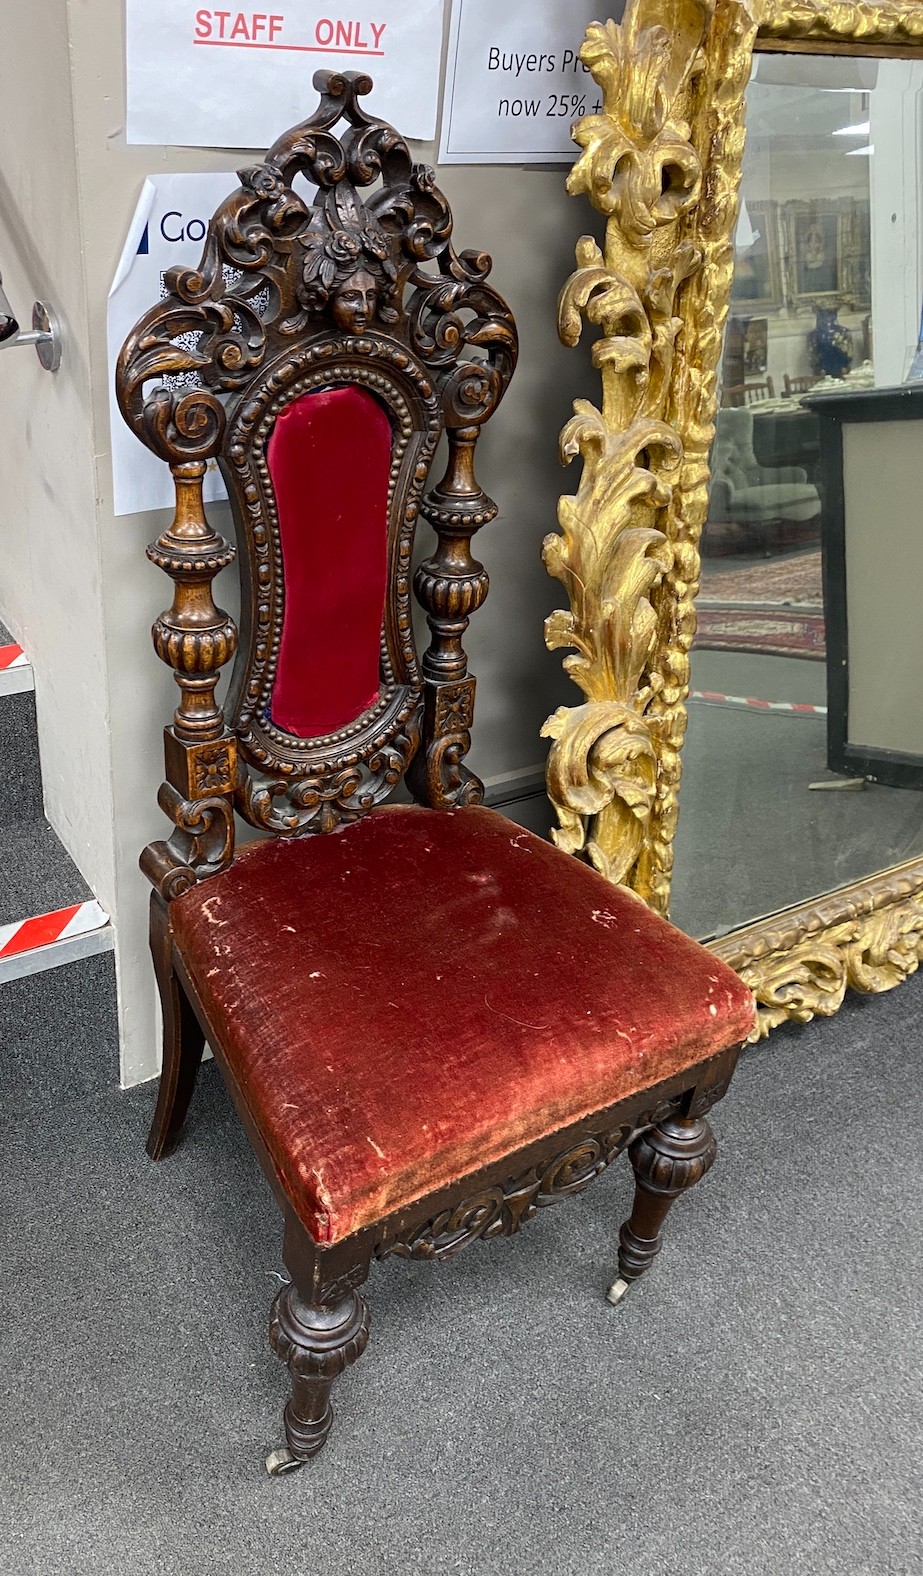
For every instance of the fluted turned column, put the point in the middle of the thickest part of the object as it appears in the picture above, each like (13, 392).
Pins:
(667, 1159)
(316, 1343)
(450, 585)
(194, 638)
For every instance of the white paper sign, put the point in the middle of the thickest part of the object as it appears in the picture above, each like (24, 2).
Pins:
(168, 228)
(515, 82)
(200, 77)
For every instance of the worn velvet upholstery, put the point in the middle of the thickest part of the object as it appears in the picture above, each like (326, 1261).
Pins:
(426, 991)
(329, 458)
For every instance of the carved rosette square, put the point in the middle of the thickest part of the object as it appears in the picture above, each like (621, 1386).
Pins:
(454, 708)
(211, 769)
(200, 771)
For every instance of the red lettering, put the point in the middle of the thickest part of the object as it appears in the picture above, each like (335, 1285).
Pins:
(377, 30)
(203, 24)
(327, 25)
(258, 24)
(345, 34)
(221, 17)
(239, 30)
(275, 26)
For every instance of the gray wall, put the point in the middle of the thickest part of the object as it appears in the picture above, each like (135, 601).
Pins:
(50, 570)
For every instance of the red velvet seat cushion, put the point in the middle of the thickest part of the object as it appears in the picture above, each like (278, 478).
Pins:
(418, 995)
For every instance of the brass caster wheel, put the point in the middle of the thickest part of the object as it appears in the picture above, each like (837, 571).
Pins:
(617, 1292)
(281, 1461)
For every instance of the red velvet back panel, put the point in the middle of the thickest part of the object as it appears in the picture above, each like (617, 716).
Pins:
(329, 458)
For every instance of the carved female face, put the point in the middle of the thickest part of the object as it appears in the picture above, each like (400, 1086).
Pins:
(354, 303)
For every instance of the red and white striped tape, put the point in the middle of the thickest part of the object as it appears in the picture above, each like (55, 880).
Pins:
(60, 925)
(12, 657)
(801, 708)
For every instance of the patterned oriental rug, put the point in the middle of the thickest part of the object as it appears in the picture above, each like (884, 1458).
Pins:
(773, 607)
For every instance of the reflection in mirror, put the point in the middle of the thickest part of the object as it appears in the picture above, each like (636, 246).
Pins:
(811, 508)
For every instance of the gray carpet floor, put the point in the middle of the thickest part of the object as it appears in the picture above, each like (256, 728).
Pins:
(21, 776)
(37, 875)
(755, 1406)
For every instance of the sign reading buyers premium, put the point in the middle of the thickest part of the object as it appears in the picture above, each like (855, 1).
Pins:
(208, 78)
(515, 81)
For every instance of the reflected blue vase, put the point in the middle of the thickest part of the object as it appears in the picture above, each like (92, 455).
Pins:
(829, 345)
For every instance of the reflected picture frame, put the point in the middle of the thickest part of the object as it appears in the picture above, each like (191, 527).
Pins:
(662, 164)
(826, 252)
(762, 291)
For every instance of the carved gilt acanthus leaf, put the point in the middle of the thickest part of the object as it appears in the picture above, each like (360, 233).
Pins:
(862, 21)
(799, 964)
(601, 765)
(638, 163)
(662, 162)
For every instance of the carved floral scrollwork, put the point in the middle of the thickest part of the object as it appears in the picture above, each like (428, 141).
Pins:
(638, 167)
(638, 163)
(291, 806)
(626, 554)
(502, 1210)
(602, 763)
(662, 162)
(862, 21)
(275, 264)
(201, 845)
(811, 979)
(286, 807)
(800, 964)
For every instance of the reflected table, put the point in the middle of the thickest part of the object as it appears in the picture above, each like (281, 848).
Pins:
(788, 436)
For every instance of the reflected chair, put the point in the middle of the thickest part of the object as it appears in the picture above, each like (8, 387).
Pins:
(754, 507)
(433, 1025)
(792, 387)
(736, 394)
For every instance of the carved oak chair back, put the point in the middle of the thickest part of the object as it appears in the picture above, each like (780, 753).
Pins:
(318, 353)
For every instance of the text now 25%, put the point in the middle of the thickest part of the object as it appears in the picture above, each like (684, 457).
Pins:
(552, 106)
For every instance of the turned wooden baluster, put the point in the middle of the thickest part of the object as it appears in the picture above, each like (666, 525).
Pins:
(667, 1159)
(195, 638)
(450, 585)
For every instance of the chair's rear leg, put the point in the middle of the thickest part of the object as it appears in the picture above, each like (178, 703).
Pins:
(317, 1342)
(183, 1042)
(667, 1159)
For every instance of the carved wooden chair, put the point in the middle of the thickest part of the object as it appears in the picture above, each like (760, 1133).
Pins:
(433, 1024)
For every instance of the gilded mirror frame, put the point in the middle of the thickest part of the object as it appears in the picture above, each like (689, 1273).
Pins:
(662, 163)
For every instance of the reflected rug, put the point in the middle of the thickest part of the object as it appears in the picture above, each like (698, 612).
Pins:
(794, 578)
(770, 606)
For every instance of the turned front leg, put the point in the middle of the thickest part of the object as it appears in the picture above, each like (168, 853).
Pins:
(667, 1159)
(317, 1343)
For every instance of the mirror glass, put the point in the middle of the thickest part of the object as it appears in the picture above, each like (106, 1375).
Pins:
(804, 754)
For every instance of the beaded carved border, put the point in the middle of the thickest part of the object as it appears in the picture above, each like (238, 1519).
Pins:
(348, 760)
